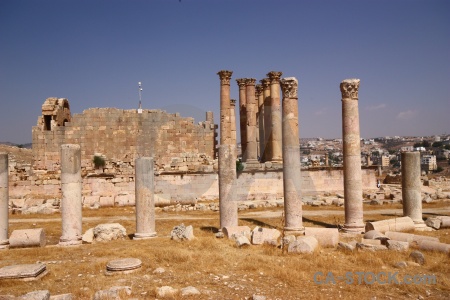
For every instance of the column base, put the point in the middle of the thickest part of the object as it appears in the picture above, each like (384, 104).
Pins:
(421, 226)
(4, 245)
(252, 164)
(354, 228)
(294, 230)
(70, 243)
(144, 236)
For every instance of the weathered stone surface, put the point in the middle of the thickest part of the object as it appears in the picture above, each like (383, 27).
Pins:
(346, 246)
(4, 200)
(445, 221)
(27, 238)
(433, 223)
(109, 232)
(418, 257)
(401, 264)
(114, 293)
(124, 264)
(369, 247)
(259, 297)
(375, 235)
(182, 232)
(242, 240)
(409, 237)
(396, 224)
(234, 231)
(88, 236)
(303, 244)
(411, 187)
(397, 245)
(62, 297)
(22, 271)
(262, 235)
(327, 237)
(159, 270)
(166, 291)
(189, 291)
(433, 246)
(370, 242)
(36, 295)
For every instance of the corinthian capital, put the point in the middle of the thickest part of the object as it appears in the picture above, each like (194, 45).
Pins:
(250, 81)
(265, 83)
(241, 82)
(274, 76)
(258, 89)
(349, 88)
(225, 76)
(233, 102)
(289, 87)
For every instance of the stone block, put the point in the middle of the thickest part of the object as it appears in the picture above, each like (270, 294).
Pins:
(433, 222)
(327, 237)
(22, 271)
(396, 224)
(22, 238)
(303, 244)
(262, 235)
(235, 231)
(397, 245)
(108, 232)
(107, 201)
(242, 240)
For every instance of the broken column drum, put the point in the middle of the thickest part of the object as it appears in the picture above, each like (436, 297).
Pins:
(352, 157)
(411, 188)
(227, 156)
(145, 202)
(243, 115)
(71, 186)
(275, 106)
(291, 157)
(4, 201)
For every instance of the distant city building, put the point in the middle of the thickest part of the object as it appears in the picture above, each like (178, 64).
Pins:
(407, 148)
(428, 163)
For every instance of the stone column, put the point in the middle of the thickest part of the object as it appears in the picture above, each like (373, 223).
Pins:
(260, 99)
(233, 122)
(227, 158)
(276, 151)
(291, 157)
(145, 202)
(411, 188)
(210, 117)
(326, 159)
(71, 186)
(251, 157)
(242, 116)
(4, 201)
(352, 157)
(267, 119)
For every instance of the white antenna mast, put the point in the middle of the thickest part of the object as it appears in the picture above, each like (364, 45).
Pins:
(140, 98)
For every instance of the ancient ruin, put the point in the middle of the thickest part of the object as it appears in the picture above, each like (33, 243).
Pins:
(352, 156)
(145, 198)
(71, 202)
(4, 200)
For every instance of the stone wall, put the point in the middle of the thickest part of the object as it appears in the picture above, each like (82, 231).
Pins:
(170, 188)
(120, 136)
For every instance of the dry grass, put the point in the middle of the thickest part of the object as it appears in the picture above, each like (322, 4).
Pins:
(216, 267)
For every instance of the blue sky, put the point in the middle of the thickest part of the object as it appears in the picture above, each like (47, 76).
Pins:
(95, 52)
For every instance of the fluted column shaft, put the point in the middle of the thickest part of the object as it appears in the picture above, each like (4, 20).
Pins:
(145, 202)
(267, 119)
(4, 201)
(71, 204)
(227, 158)
(260, 114)
(411, 187)
(251, 121)
(291, 157)
(352, 156)
(242, 116)
(233, 121)
(276, 119)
